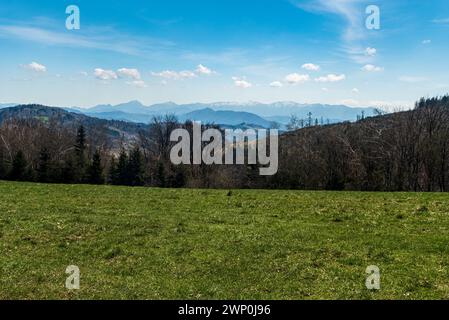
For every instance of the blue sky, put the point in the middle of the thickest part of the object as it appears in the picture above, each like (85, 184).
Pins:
(223, 50)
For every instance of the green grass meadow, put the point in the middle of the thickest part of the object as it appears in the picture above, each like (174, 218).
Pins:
(141, 243)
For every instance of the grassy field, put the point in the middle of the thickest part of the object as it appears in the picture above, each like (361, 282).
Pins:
(142, 243)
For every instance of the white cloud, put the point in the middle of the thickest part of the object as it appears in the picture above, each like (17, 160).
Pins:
(105, 74)
(276, 84)
(331, 78)
(311, 67)
(427, 41)
(371, 52)
(295, 78)
(129, 73)
(325, 89)
(83, 73)
(241, 83)
(372, 68)
(167, 74)
(36, 67)
(187, 74)
(355, 90)
(174, 75)
(411, 79)
(204, 70)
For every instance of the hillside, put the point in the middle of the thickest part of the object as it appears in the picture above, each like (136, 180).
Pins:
(405, 151)
(114, 130)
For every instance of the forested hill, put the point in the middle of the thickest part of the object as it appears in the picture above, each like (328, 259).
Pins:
(113, 130)
(396, 152)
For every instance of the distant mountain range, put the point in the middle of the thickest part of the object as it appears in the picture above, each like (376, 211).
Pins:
(124, 123)
(227, 113)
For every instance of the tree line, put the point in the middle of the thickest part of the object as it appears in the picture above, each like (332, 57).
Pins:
(33, 150)
(404, 151)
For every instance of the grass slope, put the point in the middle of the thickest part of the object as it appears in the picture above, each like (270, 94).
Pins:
(200, 244)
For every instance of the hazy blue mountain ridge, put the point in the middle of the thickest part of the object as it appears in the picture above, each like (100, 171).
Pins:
(228, 113)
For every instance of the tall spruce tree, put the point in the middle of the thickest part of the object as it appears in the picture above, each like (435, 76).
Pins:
(135, 170)
(122, 169)
(80, 154)
(112, 174)
(19, 167)
(95, 170)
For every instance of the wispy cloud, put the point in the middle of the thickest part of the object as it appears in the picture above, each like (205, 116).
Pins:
(441, 21)
(412, 79)
(90, 39)
(353, 32)
(350, 10)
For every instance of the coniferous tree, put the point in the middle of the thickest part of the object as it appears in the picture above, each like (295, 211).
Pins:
(69, 171)
(135, 170)
(95, 170)
(122, 167)
(80, 153)
(112, 173)
(19, 167)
